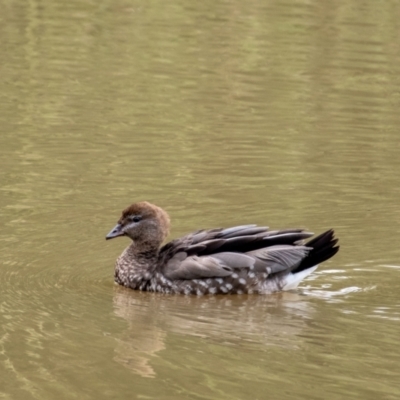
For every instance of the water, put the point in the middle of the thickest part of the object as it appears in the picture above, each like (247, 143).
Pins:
(284, 114)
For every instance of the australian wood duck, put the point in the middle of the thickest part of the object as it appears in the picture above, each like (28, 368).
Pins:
(237, 260)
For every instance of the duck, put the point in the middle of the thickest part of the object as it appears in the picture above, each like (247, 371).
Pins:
(243, 259)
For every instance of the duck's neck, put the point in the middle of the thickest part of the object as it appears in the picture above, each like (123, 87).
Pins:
(136, 265)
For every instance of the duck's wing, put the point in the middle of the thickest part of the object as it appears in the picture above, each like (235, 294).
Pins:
(219, 252)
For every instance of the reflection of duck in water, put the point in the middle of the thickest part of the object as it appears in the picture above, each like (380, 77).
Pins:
(242, 259)
(143, 338)
(155, 321)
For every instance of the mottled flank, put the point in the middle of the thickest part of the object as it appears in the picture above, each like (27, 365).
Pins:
(238, 260)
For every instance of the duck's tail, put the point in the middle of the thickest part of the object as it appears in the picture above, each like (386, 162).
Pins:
(323, 248)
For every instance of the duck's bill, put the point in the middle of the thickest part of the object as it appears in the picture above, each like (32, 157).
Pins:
(115, 232)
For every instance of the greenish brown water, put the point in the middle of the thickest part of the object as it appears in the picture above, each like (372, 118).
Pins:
(223, 113)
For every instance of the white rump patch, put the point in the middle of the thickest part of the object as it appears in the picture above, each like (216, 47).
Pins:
(293, 280)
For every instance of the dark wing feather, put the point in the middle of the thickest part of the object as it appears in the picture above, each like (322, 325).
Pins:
(218, 252)
(323, 247)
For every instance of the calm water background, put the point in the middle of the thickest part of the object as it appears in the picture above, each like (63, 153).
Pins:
(223, 113)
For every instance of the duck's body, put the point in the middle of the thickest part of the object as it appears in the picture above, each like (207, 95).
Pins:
(242, 259)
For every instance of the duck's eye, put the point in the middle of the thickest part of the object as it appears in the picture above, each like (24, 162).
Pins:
(135, 218)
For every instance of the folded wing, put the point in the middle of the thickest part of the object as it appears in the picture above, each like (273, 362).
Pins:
(222, 252)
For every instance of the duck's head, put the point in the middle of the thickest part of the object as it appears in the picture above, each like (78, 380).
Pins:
(142, 222)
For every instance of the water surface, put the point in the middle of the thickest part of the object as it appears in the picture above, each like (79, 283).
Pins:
(281, 114)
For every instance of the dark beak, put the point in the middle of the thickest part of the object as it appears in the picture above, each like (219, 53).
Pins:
(115, 232)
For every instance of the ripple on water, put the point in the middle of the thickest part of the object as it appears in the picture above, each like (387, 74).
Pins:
(48, 313)
(41, 294)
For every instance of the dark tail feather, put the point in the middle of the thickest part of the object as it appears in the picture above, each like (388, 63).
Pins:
(323, 248)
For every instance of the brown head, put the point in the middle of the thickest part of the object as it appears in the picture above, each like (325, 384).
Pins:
(144, 223)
